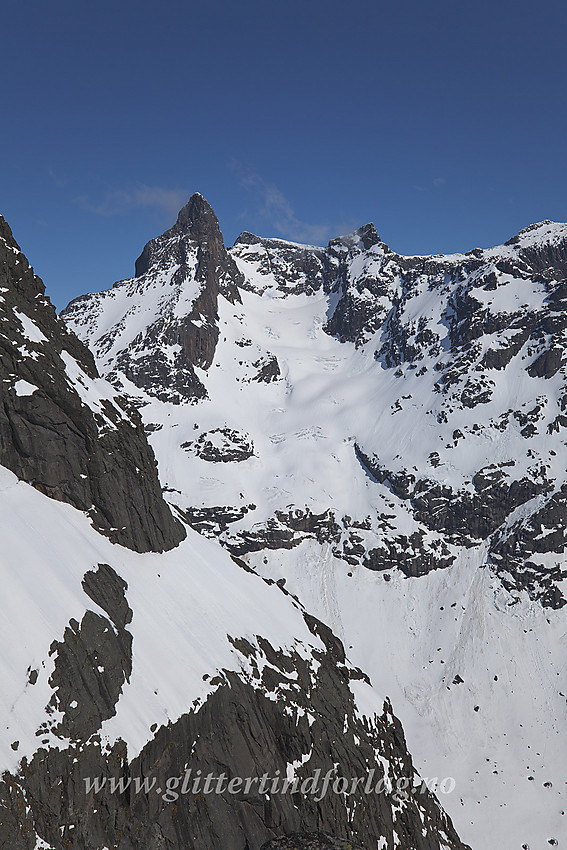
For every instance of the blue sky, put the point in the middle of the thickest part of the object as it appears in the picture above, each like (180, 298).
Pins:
(445, 123)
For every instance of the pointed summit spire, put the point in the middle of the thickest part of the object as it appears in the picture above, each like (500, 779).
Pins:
(366, 236)
(196, 222)
(197, 219)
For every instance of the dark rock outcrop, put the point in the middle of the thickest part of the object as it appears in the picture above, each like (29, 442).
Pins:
(310, 841)
(108, 590)
(292, 268)
(62, 429)
(221, 445)
(92, 663)
(216, 271)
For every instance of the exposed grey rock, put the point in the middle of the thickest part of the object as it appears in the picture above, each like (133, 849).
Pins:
(544, 532)
(16, 820)
(268, 369)
(92, 662)
(284, 530)
(468, 518)
(94, 457)
(547, 364)
(221, 445)
(107, 589)
(216, 270)
(211, 521)
(310, 841)
(293, 268)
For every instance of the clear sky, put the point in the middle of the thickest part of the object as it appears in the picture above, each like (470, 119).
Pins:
(444, 123)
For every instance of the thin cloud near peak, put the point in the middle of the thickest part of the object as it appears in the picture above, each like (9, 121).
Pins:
(273, 207)
(434, 184)
(121, 201)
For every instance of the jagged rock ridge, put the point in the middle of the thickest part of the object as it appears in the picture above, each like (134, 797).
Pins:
(191, 663)
(277, 714)
(278, 694)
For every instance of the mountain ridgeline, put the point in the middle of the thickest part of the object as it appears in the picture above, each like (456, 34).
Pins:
(385, 436)
(462, 404)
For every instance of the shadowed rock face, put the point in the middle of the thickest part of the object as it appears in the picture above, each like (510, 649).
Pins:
(280, 711)
(64, 430)
(93, 661)
(107, 589)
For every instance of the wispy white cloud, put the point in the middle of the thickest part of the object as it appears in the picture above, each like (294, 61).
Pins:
(60, 180)
(275, 209)
(121, 201)
(434, 184)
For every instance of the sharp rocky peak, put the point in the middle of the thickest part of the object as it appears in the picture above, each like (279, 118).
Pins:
(365, 237)
(196, 221)
(5, 232)
(190, 267)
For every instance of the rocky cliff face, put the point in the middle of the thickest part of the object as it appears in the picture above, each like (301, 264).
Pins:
(462, 335)
(195, 664)
(65, 430)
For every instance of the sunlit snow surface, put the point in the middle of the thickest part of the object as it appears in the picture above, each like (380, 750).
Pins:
(185, 602)
(412, 636)
(303, 429)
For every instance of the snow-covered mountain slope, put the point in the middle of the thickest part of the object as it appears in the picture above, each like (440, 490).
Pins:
(129, 665)
(406, 415)
(136, 667)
